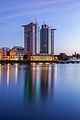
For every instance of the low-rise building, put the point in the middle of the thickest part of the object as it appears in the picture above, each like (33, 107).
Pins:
(1, 54)
(41, 58)
(5, 51)
(6, 58)
(17, 53)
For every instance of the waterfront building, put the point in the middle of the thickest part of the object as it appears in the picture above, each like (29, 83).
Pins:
(5, 51)
(32, 38)
(13, 55)
(6, 57)
(52, 41)
(37, 38)
(44, 39)
(17, 53)
(1, 54)
(47, 40)
(41, 58)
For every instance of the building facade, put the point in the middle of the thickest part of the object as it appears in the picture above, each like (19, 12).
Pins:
(5, 51)
(38, 41)
(47, 40)
(52, 41)
(1, 54)
(32, 38)
(17, 53)
(37, 38)
(44, 39)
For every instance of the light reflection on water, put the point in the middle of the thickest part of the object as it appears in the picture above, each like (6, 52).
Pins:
(39, 80)
(8, 74)
(40, 91)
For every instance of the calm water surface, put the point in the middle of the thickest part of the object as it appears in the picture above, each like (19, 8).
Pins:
(40, 91)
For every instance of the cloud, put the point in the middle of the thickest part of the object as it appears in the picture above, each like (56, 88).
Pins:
(30, 4)
(40, 8)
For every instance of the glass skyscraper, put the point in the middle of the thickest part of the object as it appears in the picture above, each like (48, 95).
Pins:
(44, 39)
(38, 41)
(37, 38)
(47, 40)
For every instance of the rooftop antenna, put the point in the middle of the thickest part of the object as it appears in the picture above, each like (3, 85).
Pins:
(35, 19)
(43, 22)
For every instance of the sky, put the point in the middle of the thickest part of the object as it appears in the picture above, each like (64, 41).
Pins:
(64, 15)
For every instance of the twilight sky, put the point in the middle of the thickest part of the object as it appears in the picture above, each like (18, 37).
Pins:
(64, 15)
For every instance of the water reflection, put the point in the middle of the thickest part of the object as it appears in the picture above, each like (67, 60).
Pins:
(0, 72)
(9, 74)
(39, 81)
(40, 91)
(16, 72)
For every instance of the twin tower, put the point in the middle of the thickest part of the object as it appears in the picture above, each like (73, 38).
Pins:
(38, 41)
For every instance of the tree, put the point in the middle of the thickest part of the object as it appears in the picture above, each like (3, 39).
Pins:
(63, 56)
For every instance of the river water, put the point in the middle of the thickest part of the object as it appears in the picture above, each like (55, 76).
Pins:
(40, 91)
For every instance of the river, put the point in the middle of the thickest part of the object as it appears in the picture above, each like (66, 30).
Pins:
(40, 91)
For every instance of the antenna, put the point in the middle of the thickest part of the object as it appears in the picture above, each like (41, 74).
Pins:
(35, 19)
(43, 22)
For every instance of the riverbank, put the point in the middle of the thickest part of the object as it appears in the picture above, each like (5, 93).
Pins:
(28, 61)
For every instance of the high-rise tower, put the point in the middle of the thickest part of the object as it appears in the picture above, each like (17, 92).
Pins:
(47, 40)
(37, 38)
(44, 32)
(32, 38)
(52, 41)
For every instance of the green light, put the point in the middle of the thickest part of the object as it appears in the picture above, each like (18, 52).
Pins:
(27, 83)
